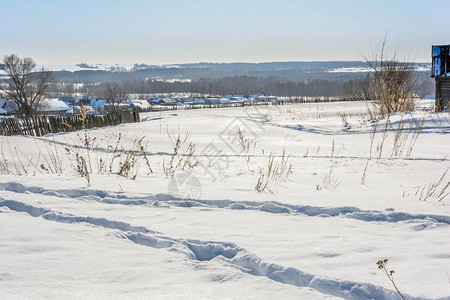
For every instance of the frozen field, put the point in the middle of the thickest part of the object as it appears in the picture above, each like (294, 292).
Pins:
(340, 196)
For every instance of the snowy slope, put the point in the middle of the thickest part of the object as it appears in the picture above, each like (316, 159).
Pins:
(216, 237)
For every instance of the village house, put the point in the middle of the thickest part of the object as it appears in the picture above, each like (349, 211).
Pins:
(10, 106)
(162, 101)
(139, 105)
(440, 71)
(87, 104)
(3, 111)
(68, 100)
(212, 100)
(54, 107)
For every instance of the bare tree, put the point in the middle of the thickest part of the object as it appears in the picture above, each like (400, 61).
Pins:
(358, 89)
(390, 80)
(114, 94)
(25, 85)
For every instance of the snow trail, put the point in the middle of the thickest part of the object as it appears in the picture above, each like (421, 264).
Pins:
(158, 200)
(204, 251)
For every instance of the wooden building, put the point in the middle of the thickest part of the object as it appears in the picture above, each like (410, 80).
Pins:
(440, 71)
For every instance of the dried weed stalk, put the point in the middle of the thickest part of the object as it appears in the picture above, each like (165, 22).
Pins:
(183, 156)
(330, 182)
(437, 190)
(274, 173)
(382, 265)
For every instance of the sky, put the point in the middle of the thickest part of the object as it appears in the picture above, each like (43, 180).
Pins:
(175, 31)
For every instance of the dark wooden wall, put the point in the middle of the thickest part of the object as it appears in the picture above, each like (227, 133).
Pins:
(42, 125)
(442, 93)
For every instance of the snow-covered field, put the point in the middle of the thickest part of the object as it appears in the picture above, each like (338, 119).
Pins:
(342, 198)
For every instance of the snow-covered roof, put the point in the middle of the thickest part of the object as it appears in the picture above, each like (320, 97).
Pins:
(54, 105)
(234, 96)
(254, 96)
(139, 103)
(11, 106)
(3, 112)
(167, 100)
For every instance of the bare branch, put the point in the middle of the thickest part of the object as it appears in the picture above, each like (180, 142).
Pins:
(390, 80)
(114, 94)
(24, 85)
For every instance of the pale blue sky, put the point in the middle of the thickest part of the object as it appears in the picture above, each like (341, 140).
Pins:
(176, 31)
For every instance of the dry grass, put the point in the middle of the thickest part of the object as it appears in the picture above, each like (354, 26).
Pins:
(384, 135)
(81, 166)
(48, 160)
(404, 140)
(406, 133)
(274, 173)
(329, 182)
(333, 146)
(363, 178)
(436, 190)
(183, 156)
(246, 147)
(344, 117)
(84, 158)
(118, 160)
(390, 81)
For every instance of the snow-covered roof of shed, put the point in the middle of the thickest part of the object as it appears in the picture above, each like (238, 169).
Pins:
(138, 103)
(54, 105)
(169, 100)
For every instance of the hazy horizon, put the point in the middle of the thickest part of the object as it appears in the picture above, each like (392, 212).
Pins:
(211, 62)
(176, 31)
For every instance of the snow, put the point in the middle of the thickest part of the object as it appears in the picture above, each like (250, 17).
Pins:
(96, 67)
(349, 70)
(367, 69)
(143, 104)
(54, 105)
(219, 238)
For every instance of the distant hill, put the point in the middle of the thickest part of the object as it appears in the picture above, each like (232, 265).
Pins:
(293, 71)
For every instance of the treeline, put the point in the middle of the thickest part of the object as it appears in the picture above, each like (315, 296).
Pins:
(238, 85)
(293, 71)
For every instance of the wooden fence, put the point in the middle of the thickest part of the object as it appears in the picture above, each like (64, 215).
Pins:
(290, 100)
(41, 125)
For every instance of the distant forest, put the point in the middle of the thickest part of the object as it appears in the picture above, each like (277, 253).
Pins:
(284, 79)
